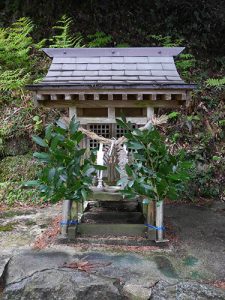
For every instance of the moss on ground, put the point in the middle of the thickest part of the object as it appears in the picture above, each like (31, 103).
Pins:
(7, 227)
(13, 213)
(18, 168)
(13, 192)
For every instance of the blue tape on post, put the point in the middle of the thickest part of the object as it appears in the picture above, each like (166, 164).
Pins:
(155, 227)
(73, 222)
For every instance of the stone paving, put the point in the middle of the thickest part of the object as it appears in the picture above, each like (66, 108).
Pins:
(184, 270)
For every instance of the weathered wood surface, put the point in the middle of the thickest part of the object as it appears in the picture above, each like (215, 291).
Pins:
(102, 103)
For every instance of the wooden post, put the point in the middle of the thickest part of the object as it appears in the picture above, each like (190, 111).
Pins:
(151, 219)
(65, 216)
(72, 112)
(67, 204)
(150, 112)
(159, 222)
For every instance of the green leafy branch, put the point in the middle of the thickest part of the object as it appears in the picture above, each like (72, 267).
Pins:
(154, 173)
(66, 172)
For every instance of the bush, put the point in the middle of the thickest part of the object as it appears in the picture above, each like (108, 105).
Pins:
(66, 173)
(154, 173)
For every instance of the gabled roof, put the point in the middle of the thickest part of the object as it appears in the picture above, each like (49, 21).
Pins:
(112, 66)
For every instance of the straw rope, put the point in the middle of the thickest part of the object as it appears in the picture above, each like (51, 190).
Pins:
(92, 135)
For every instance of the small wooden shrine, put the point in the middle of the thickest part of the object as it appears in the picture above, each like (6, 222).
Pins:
(97, 85)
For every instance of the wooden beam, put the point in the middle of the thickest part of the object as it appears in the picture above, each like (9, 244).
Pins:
(106, 103)
(99, 120)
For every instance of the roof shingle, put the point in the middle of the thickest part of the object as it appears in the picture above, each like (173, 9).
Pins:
(84, 66)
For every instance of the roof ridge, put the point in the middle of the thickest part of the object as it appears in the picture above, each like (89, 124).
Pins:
(114, 52)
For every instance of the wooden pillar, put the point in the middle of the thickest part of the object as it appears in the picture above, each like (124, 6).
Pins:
(150, 112)
(72, 112)
(159, 222)
(65, 216)
(151, 219)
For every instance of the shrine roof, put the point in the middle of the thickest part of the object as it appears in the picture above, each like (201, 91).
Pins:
(112, 67)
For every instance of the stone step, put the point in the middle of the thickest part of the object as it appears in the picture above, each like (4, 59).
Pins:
(114, 240)
(106, 196)
(112, 217)
(122, 206)
(101, 231)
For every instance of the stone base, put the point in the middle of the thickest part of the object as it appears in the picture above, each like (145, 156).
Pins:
(138, 230)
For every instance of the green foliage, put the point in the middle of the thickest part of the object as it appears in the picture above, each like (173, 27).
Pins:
(185, 62)
(154, 173)
(204, 180)
(166, 41)
(66, 173)
(64, 38)
(216, 83)
(99, 39)
(18, 168)
(12, 193)
(173, 115)
(19, 120)
(15, 49)
(38, 124)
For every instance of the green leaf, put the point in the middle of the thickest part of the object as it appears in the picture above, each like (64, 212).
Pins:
(51, 174)
(42, 156)
(84, 194)
(39, 141)
(89, 170)
(100, 168)
(135, 145)
(128, 170)
(73, 126)
(61, 124)
(31, 183)
(48, 132)
(216, 158)
(123, 181)
(173, 115)
(77, 136)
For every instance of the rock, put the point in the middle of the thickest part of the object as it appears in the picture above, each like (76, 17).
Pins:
(62, 284)
(186, 291)
(136, 292)
(4, 259)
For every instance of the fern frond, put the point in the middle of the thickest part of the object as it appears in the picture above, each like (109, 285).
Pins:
(16, 64)
(13, 79)
(99, 39)
(216, 83)
(64, 39)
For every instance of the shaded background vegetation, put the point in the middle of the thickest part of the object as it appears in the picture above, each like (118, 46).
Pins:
(199, 129)
(200, 22)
